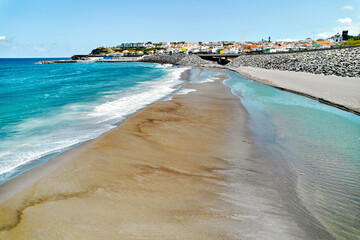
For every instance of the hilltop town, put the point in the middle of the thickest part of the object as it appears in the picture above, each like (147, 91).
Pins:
(223, 47)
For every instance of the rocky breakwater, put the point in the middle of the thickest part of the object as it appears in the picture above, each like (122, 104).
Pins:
(185, 60)
(340, 62)
(58, 61)
(162, 59)
(196, 61)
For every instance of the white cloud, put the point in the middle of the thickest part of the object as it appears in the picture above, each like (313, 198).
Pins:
(353, 28)
(348, 7)
(2, 37)
(344, 20)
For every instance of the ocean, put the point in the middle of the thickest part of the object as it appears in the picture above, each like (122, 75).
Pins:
(315, 149)
(46, 109)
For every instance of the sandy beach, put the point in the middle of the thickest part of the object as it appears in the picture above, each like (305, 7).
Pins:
(155, 176)
(179, 169)
(335, 90)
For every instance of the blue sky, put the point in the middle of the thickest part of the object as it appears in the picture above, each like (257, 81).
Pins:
(62, 28)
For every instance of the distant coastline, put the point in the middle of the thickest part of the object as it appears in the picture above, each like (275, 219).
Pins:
(338, 65)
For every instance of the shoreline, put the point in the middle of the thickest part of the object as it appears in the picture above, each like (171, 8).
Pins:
(184, 78)
(205, 133)
(69, 153)
(257, 75)
(32, 189)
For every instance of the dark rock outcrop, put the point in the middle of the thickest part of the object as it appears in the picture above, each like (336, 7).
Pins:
(185, 60)
(196, 61)
(162, 59)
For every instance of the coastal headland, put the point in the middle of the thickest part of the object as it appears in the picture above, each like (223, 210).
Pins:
(332, 76)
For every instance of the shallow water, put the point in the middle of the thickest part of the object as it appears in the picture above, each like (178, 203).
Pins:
(317, 147)
(46, 109)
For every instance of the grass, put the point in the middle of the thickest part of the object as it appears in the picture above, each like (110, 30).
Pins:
(352, 42)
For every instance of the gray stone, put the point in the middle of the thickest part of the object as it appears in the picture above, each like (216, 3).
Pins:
(341, 62)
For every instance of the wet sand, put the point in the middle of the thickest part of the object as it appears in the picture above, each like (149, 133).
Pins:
(155, 176)
(179, 169)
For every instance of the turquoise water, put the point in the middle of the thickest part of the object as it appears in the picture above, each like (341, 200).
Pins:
(46, 109)
(317, 146)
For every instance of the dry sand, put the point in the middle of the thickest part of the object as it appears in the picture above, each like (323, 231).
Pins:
(344, 91)
(179, 169)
